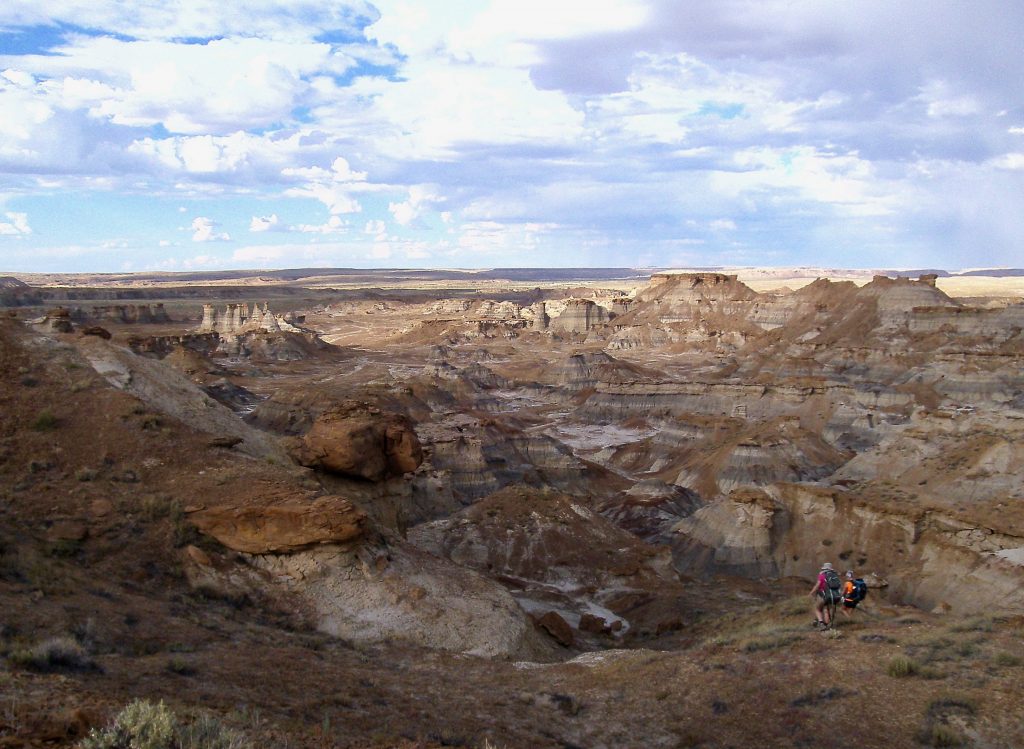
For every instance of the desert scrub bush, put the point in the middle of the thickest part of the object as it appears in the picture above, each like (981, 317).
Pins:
(795, 606)
(770, 640)
(931, 649)
(45, 421)
(941, 712)
(140, 725)
(975, 624)
(54, 654)
(143, 725)
(180, 666)
(156, 507)
(86, 474)
(901, 666)
(63, 548)
(207, 732)
(940, 735)
(1007, 659)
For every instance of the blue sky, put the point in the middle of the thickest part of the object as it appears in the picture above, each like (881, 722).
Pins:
(489, 133)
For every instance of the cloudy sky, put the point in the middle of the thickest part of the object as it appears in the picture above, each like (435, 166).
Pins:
(192, 134)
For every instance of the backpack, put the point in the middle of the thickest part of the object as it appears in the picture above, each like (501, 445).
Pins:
(860, 590)
(834, 586)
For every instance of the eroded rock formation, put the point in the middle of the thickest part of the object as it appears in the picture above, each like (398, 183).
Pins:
(579, 316)
(363, 442)
(281, 525)
(236, 319)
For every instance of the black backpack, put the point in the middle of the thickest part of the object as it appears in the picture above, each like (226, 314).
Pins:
(833, 587)
(860, 590)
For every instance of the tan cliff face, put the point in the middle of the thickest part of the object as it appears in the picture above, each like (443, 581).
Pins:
(928, 558)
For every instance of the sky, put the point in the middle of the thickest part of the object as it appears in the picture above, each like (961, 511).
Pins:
(198, 134)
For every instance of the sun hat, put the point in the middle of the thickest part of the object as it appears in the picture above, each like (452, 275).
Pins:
(827, 566)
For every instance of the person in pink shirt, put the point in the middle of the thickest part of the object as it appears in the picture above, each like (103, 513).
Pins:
(822, 592)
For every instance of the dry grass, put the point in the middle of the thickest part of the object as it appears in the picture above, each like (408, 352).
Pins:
(55, 654)
(901, 666)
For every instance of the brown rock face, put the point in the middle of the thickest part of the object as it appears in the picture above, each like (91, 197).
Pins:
(593, 624)
(97, 331)
(283, 527)
(557, 627)
(362, 443)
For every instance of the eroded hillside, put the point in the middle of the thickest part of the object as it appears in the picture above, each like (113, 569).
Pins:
(584, 518)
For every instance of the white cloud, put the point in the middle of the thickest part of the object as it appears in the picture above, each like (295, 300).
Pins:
(845, 181)
(298, 19)
(420, 198)
(941, 101)
(331, 187)
(723, 224)
(380, 251)
(266, 223)
(334, 225)
(205, 230)
(498, 31)
(1009, 161)
(16, 225)
(217, 87)
(376, 227)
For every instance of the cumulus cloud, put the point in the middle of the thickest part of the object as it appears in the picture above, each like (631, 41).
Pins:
(266, 223)
(205, 230)
(421, 197)
(16, 225)
(376, 228)
(333, 225)
(617, 120)
(333, 187)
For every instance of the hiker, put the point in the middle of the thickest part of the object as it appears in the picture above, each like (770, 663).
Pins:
(855, 590)
(827, 589)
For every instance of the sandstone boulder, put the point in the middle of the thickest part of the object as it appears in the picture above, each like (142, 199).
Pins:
(282, 527)
(96, 330)
(553, 623)
(364, 443)
(593, 624)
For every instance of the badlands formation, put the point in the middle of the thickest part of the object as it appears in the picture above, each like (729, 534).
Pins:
(583, 515)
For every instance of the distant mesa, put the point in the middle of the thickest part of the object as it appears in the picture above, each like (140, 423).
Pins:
(10, 282)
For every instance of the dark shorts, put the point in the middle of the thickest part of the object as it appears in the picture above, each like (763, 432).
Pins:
(850, 604)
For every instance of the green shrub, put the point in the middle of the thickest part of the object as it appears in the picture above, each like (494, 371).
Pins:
(207, 732)
(143, 725)
(45, 421)
(180, 666)
(1008, 659)
(975, 624)
(901, 666)
(54, 654)
(940, 735)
